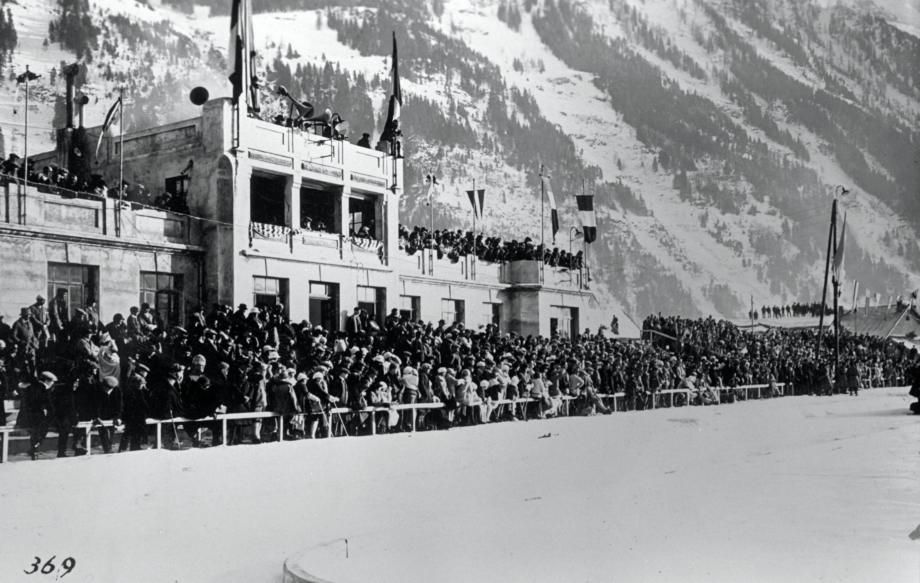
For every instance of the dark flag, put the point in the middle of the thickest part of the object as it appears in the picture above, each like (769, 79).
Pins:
(242, 57)
(586, 214)
(478, 200)
(27, 76)
(552, 205)
(108, 123)
(396, 99)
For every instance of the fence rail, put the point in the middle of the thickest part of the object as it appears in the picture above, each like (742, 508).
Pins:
(224, 418)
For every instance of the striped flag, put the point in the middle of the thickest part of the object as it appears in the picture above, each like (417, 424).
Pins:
(242, 58)
(478, 200)
(586, 214)
(431, 181)
(838, 256)
(552, 204)
(110, 118)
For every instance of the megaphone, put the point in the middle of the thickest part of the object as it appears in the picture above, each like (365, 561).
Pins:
(303, 108)
(324, 117)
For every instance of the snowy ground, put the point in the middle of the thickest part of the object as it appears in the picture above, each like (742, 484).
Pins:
(793, 489)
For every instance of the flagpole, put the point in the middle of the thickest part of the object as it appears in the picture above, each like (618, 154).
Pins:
(836, 297)
(25, 174)
(542, 221)
(827, 267)
(431, 226)
(584, 240)
(473, 265)
(121, 158)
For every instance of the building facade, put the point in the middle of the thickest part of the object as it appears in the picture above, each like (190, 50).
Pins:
(283, 216)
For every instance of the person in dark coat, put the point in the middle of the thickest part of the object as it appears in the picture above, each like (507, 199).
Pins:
(25, 343)
(65, 415)
(40, 409)
(58, 315)
(168, 401)
(108, 404)
(135, 409)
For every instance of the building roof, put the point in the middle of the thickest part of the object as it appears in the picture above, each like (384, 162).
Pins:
(883, 322)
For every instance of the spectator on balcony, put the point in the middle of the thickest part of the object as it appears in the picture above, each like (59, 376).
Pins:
(365, 141)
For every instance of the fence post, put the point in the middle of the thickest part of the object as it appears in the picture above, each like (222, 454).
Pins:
(280, 427)
(89, 440)
(373, 422)
(224, 432)
(5, 455)
(159, 435)
(414, 418)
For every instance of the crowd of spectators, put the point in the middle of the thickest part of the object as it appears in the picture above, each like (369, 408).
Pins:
(459, 243)
(68, 184)
(790, 356)
(70, 369)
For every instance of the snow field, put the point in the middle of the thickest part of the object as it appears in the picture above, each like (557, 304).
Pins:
(792, 489)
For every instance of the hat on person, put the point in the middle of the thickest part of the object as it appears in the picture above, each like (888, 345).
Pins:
(318, 375)
(442, 370)
(110, 381)
(47, 376)
(142, 368)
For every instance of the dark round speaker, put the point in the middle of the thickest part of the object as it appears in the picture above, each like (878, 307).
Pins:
(82, 99)
(199, 96)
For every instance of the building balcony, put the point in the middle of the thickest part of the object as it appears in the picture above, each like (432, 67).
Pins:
(314, 246)
(55, 211)
(317, 159)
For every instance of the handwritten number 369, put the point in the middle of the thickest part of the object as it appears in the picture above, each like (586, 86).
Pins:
(48, 568)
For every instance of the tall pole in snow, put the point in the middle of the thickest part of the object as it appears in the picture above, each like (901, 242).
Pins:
(25, 174)
(121, 158)
(827, 266)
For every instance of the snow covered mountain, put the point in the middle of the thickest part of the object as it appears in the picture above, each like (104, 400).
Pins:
(712, 132)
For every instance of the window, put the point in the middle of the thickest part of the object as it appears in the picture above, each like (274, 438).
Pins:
(270, 291)
(317, 210)
(453, 312)
(362, 213)
(564, 321)
(80, 281)
(411, 308)
(267, 200)
(324, 305)
(373, 301)
(163, 291)
(494, 315)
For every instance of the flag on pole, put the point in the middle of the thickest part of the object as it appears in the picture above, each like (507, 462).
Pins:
(867, 303)
(27, 76)
(478, 200)
(107, 124)
(396, 99)
(838, 256)
(242, 57)
(552, 205)
(586, 214)
(878, 298)
(855, 291)
(431, 181)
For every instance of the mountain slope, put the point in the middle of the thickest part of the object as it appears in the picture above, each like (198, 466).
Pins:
(712, 132)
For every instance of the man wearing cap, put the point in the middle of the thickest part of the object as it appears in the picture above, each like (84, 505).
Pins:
(135, 409)
(40, 409)
(354, 327)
